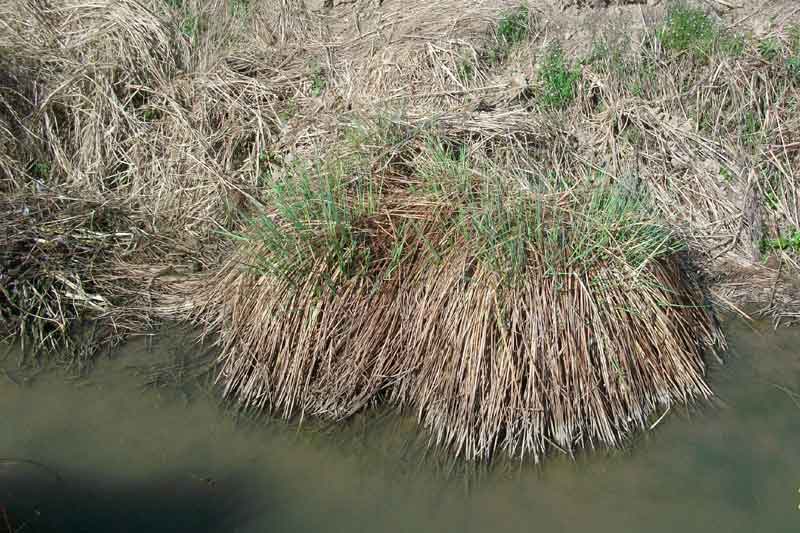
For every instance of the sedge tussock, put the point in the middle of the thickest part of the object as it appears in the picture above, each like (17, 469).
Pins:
(505, 321)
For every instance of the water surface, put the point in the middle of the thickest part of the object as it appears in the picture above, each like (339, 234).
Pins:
(104, 454)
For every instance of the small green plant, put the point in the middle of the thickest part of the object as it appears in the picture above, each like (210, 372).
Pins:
(189, 26)
(609, 54)
(633, 136)
(559, 80)
(465, 69)
(688, 30)
(512, 28)
(794, 38)
(770, 49)
(288, 111)
(267, 162)
(444, 171)
(732, 44)
(599, 54)
(772, 201)
(793, 67)
(318, 80)
(150, 115)
(382, 132)
(793, 32)
(188, 23)
(318, 215)
(41, 170)
(751, 130)
(240, 8)
(788, 242)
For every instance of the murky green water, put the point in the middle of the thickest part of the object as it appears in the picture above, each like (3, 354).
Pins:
(106, 455)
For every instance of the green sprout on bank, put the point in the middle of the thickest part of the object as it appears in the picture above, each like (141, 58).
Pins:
(687, 29)
(793, 66)
(770, 49)
(752, 133)
(559, 80)
(732, 44)
(512, 28)
(788, 242)
(317, 214)
(189, 23)
(149, 115)
(189, 26)
(318, 80)
(465, 68)
(794, 38)
(240, 8)
(41, 170)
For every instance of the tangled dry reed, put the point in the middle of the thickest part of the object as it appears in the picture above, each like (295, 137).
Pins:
(142, 108)
(56, 271)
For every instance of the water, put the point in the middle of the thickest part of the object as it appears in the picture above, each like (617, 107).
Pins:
(108, 455)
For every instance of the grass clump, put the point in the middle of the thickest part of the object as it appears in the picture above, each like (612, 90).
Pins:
(240, 8)
(465, 69)
(793, 67)
(752, 133)
(770, 49)
(512, 29)
(688, 30)
(450, 290)
(793, 61)
(471, 270)
(732, 45)
(513, 26)
(318, 80)
(559, 80)
(691, 31)
(316, 217)
(41, 170)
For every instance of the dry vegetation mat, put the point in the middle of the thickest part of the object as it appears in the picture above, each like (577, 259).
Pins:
(448, 208)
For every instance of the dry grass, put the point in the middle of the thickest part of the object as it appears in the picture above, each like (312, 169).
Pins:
(132, 101)
(147, 107)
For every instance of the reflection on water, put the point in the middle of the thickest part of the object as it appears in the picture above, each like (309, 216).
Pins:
(106, 455)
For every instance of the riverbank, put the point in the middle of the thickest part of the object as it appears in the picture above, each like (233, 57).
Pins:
(515, 225)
